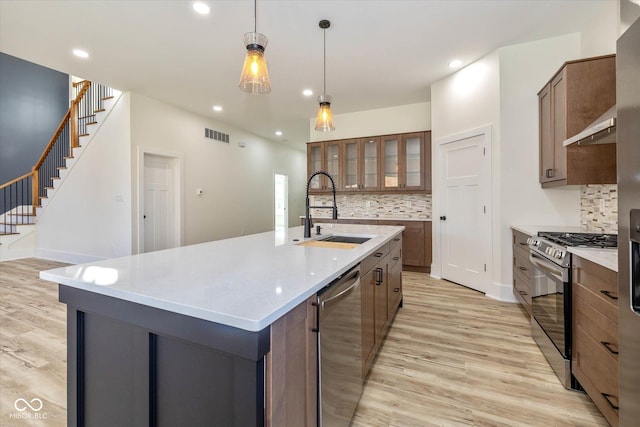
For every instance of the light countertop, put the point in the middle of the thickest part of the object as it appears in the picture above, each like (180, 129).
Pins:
(246, 282)
(532, 230)
(605, 257)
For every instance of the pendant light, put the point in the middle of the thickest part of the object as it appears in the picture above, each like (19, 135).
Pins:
(255, 75)
(324, 119)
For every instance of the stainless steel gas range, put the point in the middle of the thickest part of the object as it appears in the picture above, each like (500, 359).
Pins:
(551, 294)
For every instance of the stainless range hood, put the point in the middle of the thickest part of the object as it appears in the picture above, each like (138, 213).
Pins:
(601, 131)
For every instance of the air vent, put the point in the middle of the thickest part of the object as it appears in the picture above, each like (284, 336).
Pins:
(214, 134)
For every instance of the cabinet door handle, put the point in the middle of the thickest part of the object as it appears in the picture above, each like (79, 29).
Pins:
(608, 345)
(396, 289)
(607, 398)
(379, 278)
(316, 329)
(549, 173)
(609, 294)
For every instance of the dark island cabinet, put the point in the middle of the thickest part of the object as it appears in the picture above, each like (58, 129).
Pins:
(134, 365)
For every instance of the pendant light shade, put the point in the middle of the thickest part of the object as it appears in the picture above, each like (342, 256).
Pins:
(324, 119)
(255, 74)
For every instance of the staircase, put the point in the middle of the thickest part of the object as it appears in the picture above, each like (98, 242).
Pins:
(24, 198)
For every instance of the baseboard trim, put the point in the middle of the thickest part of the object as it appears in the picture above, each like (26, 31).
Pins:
(501, 292)
(68, 257)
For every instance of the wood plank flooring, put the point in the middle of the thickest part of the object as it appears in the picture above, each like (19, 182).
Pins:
(452, 358)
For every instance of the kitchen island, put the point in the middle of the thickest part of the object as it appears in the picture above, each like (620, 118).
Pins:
(187, 336)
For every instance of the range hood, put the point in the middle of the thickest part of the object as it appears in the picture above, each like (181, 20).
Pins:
(601, 131)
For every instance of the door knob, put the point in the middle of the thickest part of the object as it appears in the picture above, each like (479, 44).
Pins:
(443, 218)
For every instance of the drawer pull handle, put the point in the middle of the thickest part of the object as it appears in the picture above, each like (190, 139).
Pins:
(606, 397)
(396, 289)
(523, 243)
(522, 293)
(395, 258)
(377, 254)
(523, 268)
(609, 294)
(608, 346)
(397, 239)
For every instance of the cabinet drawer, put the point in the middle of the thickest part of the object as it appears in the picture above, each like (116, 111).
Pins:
(593, 322)
(396, 252)
(598, 279)
(522, 289)
(369, 262)
(597, 372)
(520, 239)
(605, 303)
(521, 262)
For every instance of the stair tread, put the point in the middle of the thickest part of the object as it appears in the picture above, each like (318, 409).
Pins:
(107, 97)
(82, 134)
(91, 123)
(99, 111)
(21, 214)
(8, 234)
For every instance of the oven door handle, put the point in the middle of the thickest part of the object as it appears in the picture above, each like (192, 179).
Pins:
(546, 266)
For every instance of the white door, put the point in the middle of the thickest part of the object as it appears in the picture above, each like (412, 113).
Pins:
(281, 202)
(159, 203)
(464, 225)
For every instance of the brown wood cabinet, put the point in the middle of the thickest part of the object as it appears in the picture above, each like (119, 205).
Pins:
(595, 334)
(291, 376)
(579, 93)
(391, 163)
(416, 241)
(381, 296)
(522, 270)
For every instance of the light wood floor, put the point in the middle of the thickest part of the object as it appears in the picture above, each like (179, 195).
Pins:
(452, 358)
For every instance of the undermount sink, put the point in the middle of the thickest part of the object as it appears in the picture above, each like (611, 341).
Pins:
(345, 239)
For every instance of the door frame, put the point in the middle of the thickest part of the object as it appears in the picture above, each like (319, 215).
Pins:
(286, 199)
(438, 174)
(177, 165)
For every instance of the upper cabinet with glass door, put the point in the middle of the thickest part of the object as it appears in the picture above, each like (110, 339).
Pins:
(392, 163)
(406, 162)
(327, 157)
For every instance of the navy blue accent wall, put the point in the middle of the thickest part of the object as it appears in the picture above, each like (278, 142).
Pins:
(33, 101)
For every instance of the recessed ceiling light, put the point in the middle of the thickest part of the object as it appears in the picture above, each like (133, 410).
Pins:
(307, 92)
(217, 108)
(80, 53)
(279, 133)
(201, 8)
(455, 63)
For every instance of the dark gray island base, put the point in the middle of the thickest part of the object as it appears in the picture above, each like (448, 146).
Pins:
(133, 365)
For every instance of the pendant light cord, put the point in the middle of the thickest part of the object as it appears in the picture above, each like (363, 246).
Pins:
(324, 61)
(255, 16)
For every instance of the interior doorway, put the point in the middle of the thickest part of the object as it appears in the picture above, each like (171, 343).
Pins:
(281, 191)
(160, 206)
(464, 216)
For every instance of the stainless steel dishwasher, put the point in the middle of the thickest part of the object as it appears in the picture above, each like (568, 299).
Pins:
(339, 350)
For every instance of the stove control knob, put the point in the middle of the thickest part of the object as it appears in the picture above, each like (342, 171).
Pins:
(548, 251)
(559, 254)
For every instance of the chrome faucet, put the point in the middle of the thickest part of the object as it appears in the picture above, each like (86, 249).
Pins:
(307, 216)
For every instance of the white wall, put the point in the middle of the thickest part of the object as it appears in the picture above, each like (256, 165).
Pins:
(466, 100)
(88, 217)
(382, 121)
(238, 183)
(599, 36)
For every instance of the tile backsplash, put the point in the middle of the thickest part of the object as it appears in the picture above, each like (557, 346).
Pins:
(599, 208)
(417, 206)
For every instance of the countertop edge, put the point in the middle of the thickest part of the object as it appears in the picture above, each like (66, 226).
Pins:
(607, 258)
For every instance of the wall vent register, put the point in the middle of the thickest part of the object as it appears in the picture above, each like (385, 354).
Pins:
(214, 134)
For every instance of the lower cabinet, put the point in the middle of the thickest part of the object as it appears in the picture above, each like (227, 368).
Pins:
(522, 270)
(595, 334)
(381, 297)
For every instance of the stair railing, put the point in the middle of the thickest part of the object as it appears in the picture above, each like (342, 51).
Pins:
(32, 187)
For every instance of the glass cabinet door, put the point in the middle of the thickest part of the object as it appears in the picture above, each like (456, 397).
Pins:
(370, 176)
(413, 161)
(333, 164)
(351, 181)
(390, 162)
(315, 162)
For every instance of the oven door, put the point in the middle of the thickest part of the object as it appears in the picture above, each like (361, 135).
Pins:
(551, 301)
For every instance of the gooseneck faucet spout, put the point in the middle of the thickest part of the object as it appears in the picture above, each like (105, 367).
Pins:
(307, 216)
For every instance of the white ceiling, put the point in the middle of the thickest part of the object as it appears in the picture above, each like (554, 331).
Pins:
(379, 53)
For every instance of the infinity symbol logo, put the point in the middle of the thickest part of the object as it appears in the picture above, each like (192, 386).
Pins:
(22, 404)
